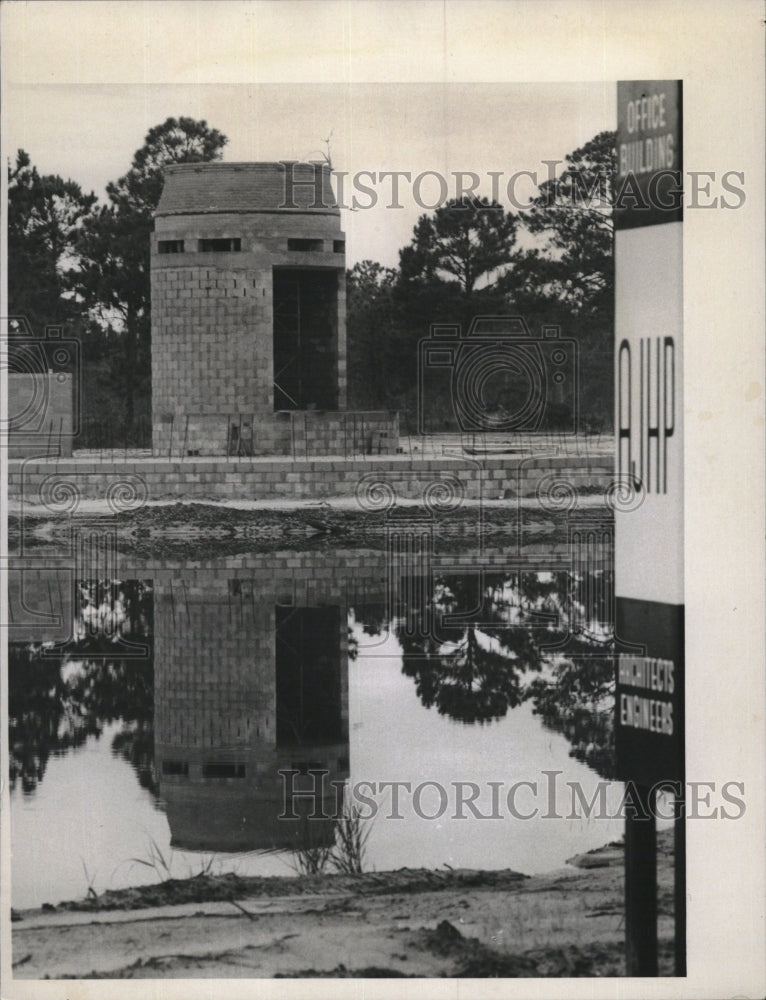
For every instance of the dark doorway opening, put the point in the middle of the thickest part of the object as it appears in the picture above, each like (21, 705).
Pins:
(308, 677)
(305, 339)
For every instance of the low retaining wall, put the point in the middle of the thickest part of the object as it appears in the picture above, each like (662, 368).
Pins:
(294, 433)
(378, 482)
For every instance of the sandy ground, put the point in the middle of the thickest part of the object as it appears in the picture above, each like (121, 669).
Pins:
(409, 923)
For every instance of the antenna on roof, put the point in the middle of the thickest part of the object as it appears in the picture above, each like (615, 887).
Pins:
(326, 156)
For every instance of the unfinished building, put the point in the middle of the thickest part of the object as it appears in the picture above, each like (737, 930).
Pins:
(248, 317)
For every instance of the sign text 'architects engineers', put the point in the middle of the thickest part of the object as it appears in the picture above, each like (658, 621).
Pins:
(653, 677)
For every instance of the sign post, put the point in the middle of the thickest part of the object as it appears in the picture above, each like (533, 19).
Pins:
(649, 709)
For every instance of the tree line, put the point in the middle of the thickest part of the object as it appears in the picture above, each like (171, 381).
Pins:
(85, 265)
(552, 264)
(75, 263)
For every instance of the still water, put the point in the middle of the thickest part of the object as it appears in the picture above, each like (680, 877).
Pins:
(162, 737)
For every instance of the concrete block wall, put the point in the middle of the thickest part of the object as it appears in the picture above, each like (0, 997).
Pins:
(297, 433)
(377, 482)
(213, 312)
(347, 434)
(210, 351)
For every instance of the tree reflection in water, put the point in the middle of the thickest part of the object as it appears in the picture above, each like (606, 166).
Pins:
(476, 646)
(501, 652)
(58, 696)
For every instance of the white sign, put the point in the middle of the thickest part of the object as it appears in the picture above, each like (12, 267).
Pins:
(649, 540)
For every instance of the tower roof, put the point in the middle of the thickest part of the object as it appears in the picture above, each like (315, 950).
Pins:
(287, 186)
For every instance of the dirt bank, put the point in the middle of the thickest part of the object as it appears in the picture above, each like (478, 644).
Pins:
(201, 530)
(389, 924)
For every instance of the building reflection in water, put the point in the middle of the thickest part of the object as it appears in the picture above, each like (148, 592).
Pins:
(249, 683)
(250, 664)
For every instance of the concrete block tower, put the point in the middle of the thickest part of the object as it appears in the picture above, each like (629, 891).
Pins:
(249, 314)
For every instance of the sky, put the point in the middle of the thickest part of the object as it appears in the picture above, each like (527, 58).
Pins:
(89, 131)
(414, 87)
